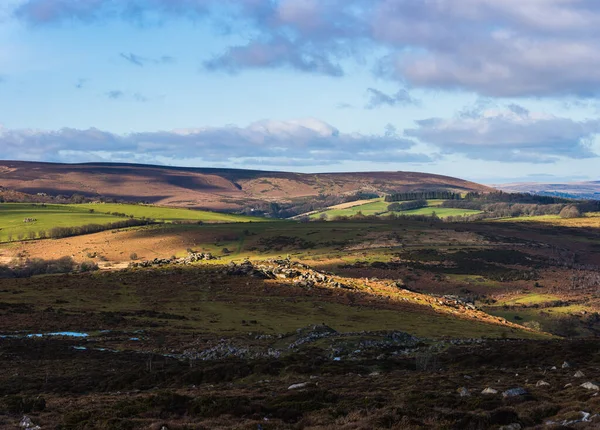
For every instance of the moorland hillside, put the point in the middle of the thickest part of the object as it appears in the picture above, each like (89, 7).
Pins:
(207, 188)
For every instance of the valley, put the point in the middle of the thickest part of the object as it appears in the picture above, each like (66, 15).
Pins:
(364, 318)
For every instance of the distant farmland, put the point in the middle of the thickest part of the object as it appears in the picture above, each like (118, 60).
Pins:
(165, 214)
(43, 219)
(378, 207)
(19, 221)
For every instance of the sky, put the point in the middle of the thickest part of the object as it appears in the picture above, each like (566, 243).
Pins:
(487, 90)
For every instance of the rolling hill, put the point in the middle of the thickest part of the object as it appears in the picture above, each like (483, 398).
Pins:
(208, 188)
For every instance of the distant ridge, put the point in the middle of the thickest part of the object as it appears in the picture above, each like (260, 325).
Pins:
(208, 188)
(576, 190)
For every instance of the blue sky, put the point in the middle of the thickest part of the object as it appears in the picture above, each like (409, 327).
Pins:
(489, 91)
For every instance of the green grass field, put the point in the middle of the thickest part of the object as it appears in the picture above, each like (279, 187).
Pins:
(13, 227)
(165, 214)
(435, 202)
(379, 207)
(530, 299)
(374, 207)
(12, 216)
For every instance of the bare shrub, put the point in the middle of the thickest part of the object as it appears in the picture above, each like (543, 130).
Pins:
(427, 361)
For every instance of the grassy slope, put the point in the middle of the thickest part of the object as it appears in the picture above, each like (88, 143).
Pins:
(49, 216)
(530, 299)
(379, 207)
(327, 245)
(589, 220)
(309, 241)
(166, 214)
(537, 307)
(373, 207)
(214, 304)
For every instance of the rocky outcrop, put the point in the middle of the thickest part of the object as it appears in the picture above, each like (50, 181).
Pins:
(302, 275)
(225, 350)
(192, 257)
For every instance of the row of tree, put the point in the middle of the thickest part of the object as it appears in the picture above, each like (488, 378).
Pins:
(406, 206)
(493, 197)
(392, 216)
(12, 196)
(503, 197)
(505, 210)
(38, 266)
(60, 232)
(423, 195)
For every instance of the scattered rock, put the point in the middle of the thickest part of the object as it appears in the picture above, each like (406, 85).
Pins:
(489, 390)
(542, 384)
(586, 417)
(312, 334)
(579, 374)
(225, 350)
(298, 386)
(513, 426)
(590, 386)
(568, 385)
(463, 392)
(26, 423)
(514, 392)
(566, 365)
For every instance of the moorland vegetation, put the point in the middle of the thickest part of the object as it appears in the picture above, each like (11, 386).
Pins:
(401, 315)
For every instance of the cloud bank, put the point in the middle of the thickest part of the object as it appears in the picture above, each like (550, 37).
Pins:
(300, 143)
(508, 48)
(511, 135)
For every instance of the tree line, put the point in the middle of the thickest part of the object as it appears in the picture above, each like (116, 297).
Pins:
(424, 195)
(569, 209)
(38, 266)
(504, 197)
(60, 232)
(406, 206)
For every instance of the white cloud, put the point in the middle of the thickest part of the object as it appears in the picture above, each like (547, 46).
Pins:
(511, 135)
(301, 142)
(507, 48)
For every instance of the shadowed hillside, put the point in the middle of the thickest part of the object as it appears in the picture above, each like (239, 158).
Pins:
(217, 189)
